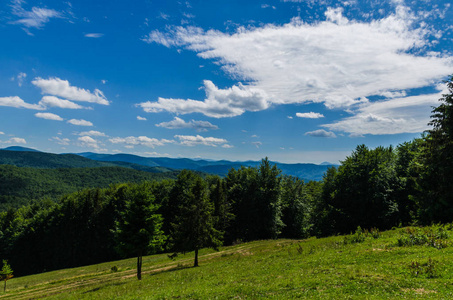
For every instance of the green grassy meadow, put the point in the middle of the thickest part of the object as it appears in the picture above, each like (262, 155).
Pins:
(405, 263)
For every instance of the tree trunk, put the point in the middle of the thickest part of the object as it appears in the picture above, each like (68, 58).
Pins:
(139, 267)
(4, 288)
(195, 264)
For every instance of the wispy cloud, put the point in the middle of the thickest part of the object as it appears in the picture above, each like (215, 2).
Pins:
(321, 133)
(141, 140)
(20, 78)
(141, 118)
(178, 123)
(60, 141)
(310, 115)
(53, 101)
(80, 122)
(190, 140)
(257, 144)
(49, 116)
(398, 115)
(61, 88)
(94, 35)
(36, 18)
(338, 62)
(92, 133)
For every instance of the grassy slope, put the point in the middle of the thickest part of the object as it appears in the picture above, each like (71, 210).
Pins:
(315, 268)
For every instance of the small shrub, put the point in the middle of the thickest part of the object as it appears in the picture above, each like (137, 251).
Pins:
(114, 269)
(435, 236)
(358, 237)
(428, 269)
(375, 233)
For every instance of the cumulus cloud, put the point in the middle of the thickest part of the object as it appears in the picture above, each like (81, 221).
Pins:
(80, 122)
(16, 140)
(219, 103)
(190, 140)
(61, 103)
(17, 102)
(88, 142)
(141, 140)
(36, 18)
(338, 62)
(49, 116)
(141, 118)
(179, 123)
(398, 115)
(94, 35)
(61, 88)
(321, 133)
(1, 132)
(92, 133)
(310, 115)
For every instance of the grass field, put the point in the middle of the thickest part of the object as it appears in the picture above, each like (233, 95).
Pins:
(404, 263)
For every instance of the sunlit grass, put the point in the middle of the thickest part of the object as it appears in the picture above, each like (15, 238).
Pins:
(328, 268)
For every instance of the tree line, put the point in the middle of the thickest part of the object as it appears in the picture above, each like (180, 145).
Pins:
(372, 188)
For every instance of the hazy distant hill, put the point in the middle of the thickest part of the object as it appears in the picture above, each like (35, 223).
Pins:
(303, 171)
(19, 148)
(36, 159)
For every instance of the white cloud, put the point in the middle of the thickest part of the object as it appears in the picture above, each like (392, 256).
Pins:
(310, 115)
(18, 103)
(58, 87)
(104, 81)
(16, 140)
(80, 122)
(321, 133)
(49, 116)
(37, 17)
(20, 78)
(398, 115)
(92, 133)
(60, 141)
(219, 103)
(178, 123)
(189, 140)
(257, 144)
(141, 118)
(141, 140)
(61, 103)
(338, 62)
(1, 132)
(88, 142)
(94, 35)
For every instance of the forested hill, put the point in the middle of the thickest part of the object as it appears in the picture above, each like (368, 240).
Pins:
(36, 159)
(304, 171)
(19, 185)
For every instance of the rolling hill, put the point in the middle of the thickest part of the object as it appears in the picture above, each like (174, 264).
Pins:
(304, 171)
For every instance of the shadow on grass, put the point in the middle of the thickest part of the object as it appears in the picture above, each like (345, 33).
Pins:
(173, 269)
(101, 287)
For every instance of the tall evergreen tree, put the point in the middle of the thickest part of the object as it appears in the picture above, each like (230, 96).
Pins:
(138, 230)
(435, 200)
(194, 223)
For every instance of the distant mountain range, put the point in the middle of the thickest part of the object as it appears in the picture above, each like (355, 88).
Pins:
(26, 157)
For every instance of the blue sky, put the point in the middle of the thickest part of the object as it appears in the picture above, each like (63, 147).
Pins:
(295, 80)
